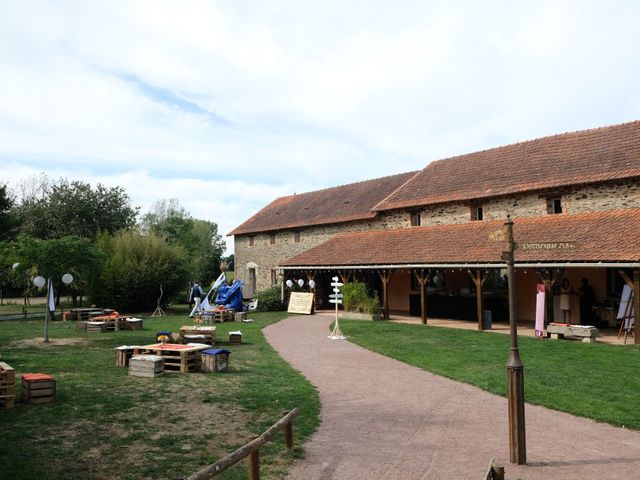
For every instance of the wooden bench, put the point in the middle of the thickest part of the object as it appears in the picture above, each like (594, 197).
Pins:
(587, 333)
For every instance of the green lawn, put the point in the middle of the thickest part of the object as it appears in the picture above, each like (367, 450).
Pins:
(598, 381)
(105, 424)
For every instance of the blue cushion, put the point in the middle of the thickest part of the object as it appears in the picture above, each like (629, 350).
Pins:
(215, 351)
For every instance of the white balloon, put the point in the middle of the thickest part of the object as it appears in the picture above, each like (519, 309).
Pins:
(39, 281)
(289, 283)
(67, 278)
(312, 284)
(16, 265)
(301, 282)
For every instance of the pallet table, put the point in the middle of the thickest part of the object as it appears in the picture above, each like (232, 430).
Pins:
(114, 322)
(7, 386)
(560, 330)
(208, 332)
(83, 313)
(185, 358)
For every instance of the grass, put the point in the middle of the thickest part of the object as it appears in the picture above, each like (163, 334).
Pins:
(590, 380)
(104, 424)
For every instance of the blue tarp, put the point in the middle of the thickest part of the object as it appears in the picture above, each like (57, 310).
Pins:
(231, 296)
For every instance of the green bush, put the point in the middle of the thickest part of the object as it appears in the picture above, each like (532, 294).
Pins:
(135, 267)
(269, 300)
(356, 299)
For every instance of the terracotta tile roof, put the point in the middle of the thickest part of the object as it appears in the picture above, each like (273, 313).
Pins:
(343, 203)
(601, 236)
(587, 156)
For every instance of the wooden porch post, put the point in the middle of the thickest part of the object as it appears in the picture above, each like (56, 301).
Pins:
(636, 306)
(422, 281)
(345, 276)
(479, 280)
(385, 276)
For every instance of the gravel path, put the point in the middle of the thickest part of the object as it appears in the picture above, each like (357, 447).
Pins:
(383, 419)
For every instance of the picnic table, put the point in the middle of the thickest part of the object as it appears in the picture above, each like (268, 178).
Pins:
(185, 358)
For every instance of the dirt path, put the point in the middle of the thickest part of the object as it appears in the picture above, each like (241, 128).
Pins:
(383, 419)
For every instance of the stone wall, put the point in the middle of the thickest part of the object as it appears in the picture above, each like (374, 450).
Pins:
(574, 200)
(266, 256)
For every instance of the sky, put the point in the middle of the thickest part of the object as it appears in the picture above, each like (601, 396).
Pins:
(226, 105)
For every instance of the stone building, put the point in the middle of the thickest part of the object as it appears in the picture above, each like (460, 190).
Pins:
(574, 199)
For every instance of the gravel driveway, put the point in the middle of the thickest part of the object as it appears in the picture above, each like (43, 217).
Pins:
(383, 419)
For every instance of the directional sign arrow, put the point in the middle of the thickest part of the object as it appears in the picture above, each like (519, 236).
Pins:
(336, 295)
(332, 300)
(337, 284)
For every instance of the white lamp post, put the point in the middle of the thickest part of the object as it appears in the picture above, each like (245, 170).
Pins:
(39, 282)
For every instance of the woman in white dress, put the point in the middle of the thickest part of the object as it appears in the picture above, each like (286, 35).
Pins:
(565, 300)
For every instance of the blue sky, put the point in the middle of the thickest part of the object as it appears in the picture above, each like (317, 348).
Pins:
(227, 105)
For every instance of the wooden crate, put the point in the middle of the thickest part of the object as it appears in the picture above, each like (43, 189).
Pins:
(235, 338)
(219, 315)
(123, 355)
(81, 325)
(134, 324)
(96, 327)
(240, 316)
(38, 388)
(7, 386)
(146, 366)
(215, 360)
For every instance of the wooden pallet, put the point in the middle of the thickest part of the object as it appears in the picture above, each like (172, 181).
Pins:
(208, 332)
(123, 355)
(218, 362)
(41, 389)
(96, 327)
(176, 356)
(235, 338)
(146, 366)
(7, 386)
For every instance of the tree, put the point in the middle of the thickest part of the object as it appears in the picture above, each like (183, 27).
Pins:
(8, 220)
(199, 238)
(136, 266)
(57, 209)
(53, 258)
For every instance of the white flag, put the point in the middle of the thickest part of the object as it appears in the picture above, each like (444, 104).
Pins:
(51, 302)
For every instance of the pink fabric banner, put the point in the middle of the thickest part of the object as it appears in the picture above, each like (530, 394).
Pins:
(540, 310)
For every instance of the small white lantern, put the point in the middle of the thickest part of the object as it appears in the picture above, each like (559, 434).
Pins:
(39, 281)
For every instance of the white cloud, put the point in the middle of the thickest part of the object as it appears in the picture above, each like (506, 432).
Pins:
(226, 105)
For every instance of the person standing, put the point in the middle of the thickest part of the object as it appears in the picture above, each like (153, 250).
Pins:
(587, 301)
(195, 295)
(565, 300)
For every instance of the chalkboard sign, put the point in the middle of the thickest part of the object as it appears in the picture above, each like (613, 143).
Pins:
(301, 303)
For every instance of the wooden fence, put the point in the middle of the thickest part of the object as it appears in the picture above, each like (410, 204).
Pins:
(251, 450)
(495, 471)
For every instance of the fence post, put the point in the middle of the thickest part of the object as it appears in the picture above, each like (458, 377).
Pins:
(288, 432)
(254, 465)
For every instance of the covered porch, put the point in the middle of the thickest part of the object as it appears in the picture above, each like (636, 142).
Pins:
(456, 272)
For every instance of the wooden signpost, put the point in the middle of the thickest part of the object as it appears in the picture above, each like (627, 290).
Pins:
(300, 302)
